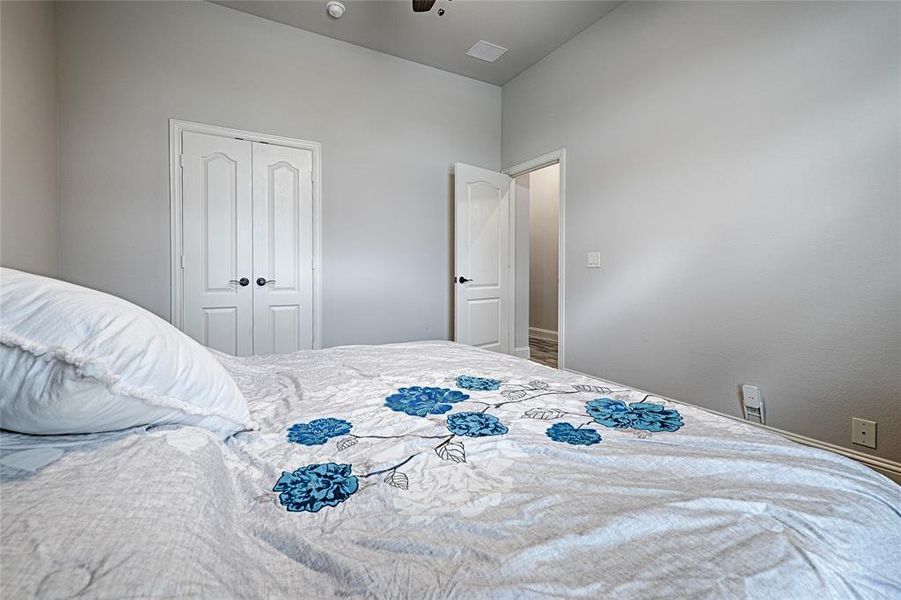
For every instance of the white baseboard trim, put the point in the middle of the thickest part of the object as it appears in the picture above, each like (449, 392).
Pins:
(889, 468)
(543, 334)
(522, 352)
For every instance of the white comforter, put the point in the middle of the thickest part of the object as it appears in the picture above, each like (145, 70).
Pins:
(616, 501)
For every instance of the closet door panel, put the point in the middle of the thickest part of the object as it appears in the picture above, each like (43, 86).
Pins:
(283, 249)
(284, 226)
(217, 241)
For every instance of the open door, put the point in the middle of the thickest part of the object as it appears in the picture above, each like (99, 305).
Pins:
(482, 307)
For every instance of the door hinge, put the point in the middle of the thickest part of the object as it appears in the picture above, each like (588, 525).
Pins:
(181, 160)
(181, 261)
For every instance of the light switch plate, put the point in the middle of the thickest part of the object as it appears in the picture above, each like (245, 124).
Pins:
(863, 432)
(593, 260)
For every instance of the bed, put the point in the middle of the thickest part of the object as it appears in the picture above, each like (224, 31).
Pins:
(434, 470)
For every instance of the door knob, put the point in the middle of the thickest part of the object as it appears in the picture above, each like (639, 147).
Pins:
(243, 282)
(263, 281)
(463, 279)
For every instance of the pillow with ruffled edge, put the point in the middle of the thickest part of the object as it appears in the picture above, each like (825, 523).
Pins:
(75, 360)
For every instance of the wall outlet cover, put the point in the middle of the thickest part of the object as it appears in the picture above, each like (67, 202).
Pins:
(593, 260)
(751, 396)
(752, 404)
(863, 432)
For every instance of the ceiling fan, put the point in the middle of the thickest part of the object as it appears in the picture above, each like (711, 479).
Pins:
(423, 5)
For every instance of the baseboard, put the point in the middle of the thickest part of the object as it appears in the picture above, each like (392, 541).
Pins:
(522, 352)
(889, 468)
(893, 475)
(543, 334)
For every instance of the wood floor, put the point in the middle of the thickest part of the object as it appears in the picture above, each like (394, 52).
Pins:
(543, 351)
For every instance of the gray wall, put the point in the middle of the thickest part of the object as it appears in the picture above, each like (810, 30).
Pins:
(29, 210)
(390, 133)
(737, 166)
(544, 234)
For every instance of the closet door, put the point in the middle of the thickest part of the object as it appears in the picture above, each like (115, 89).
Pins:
(217, 242)
(282, 249)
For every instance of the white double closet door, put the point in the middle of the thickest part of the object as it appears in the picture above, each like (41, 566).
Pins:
(247, 237)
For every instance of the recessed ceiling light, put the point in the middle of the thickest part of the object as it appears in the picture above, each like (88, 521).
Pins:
(486, 51)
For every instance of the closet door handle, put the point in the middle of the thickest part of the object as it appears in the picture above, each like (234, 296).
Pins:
(263, 281)
(243, 282)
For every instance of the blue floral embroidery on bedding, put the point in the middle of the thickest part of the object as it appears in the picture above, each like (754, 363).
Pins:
(313, 487)
(318, 431)
(637, 415)
(478, 384)
(475, 424)
(422, 401)
(566, 433)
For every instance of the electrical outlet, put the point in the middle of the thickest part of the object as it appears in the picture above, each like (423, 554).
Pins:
(863, 432)
(753, 404)
(593, 260)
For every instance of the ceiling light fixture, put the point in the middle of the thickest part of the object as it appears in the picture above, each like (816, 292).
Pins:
(335, 9)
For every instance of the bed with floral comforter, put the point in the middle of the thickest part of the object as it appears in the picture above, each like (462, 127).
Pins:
(433, 470)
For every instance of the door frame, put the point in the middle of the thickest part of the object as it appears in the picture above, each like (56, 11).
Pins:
(545, 160)
(176, 128)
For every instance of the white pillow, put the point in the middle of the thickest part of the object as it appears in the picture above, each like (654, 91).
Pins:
(75, 360)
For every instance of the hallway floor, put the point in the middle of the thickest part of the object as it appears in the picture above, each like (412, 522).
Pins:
(543, 352)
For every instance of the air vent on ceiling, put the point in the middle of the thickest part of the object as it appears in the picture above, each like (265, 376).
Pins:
(486, 51)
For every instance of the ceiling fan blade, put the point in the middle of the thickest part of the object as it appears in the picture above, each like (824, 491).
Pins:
(423, 5)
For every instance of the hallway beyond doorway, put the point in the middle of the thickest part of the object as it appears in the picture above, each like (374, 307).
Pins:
(543, 351)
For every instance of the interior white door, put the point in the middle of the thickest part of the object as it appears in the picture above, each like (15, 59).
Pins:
(217, 248)
(282, 249)
(482, 310)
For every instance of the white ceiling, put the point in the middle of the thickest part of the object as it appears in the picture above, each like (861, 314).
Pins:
(530, 29)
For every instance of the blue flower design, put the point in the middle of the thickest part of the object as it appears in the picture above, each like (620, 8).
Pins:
(318, 431)
(637, 415)
(566, 433)
(475, 424)
(421, 401)
(312, 487)
(479, 384)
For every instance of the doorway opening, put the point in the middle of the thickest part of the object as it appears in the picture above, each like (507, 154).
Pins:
(538, 259)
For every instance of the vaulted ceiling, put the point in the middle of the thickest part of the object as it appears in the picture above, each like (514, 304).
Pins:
(529, 29)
